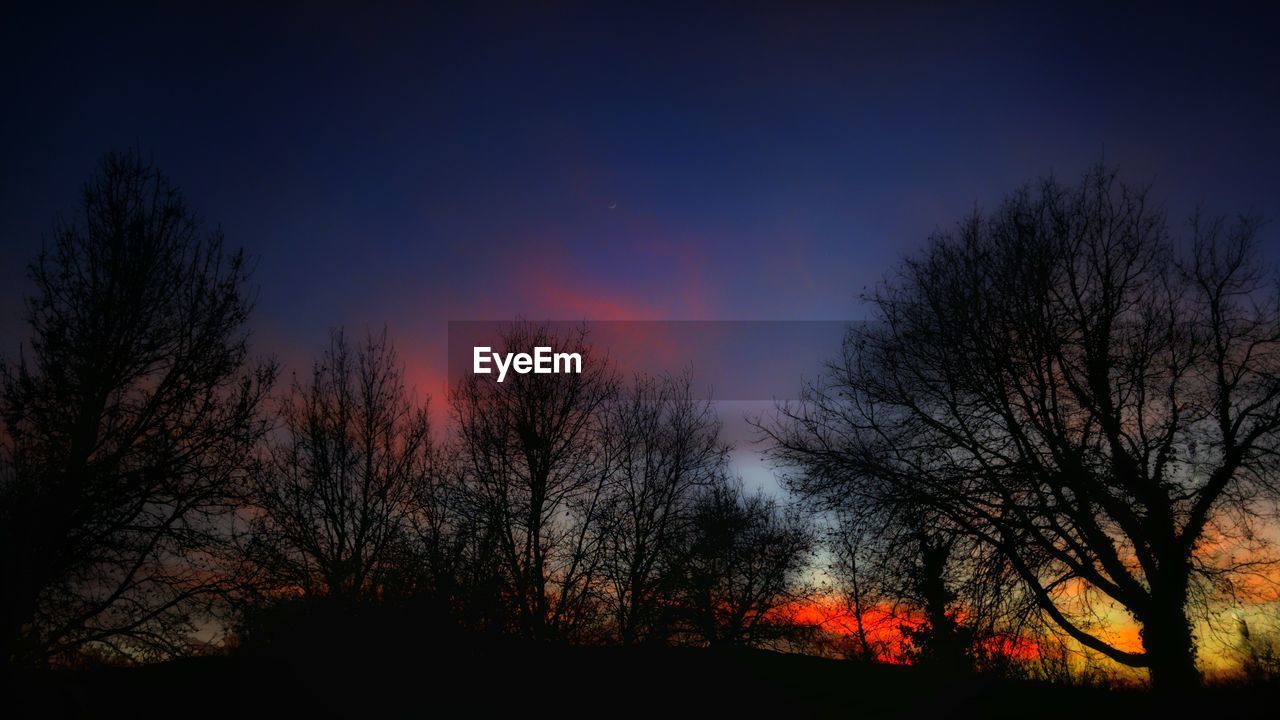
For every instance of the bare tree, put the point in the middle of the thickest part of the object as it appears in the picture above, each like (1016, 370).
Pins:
(909, 565)
(334, 496)
(664, 445)
(434, 553)
(125, 427)
(861, 584)
(536, 475)
(905, 571)
(1059, 383)
(742, 566)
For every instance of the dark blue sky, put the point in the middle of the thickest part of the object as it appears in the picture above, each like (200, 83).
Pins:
(414, 166)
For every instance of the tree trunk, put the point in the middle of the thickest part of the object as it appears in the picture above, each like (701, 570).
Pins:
(1168, 640)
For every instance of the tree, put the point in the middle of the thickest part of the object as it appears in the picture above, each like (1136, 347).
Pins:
(336, 491)
(953, 600)
(1063, 384)
(856, 568)
(940, 641)
(125, 426)
(741, 566)
(906, 562)
(663, 446)
(535, 474)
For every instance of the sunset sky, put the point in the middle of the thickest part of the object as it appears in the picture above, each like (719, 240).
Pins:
(555, 161)
(714, 162)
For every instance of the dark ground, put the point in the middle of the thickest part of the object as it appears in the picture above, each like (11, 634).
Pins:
(578, 682)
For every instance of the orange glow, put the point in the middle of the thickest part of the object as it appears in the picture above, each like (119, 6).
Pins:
(882, 626)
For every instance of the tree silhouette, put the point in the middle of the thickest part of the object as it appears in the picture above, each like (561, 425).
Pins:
(125, 426)
(334, 496)
(955, 601)
(940, 642)
(535, 474)
(663, 446)
(741, 566)
(860, 581)
(1060, 382)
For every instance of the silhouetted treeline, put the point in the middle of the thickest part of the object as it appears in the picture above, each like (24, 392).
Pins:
(574, 507)
(1057, 407)
(160, 489)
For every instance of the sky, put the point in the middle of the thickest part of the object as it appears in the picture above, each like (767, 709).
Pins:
(398, 166)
